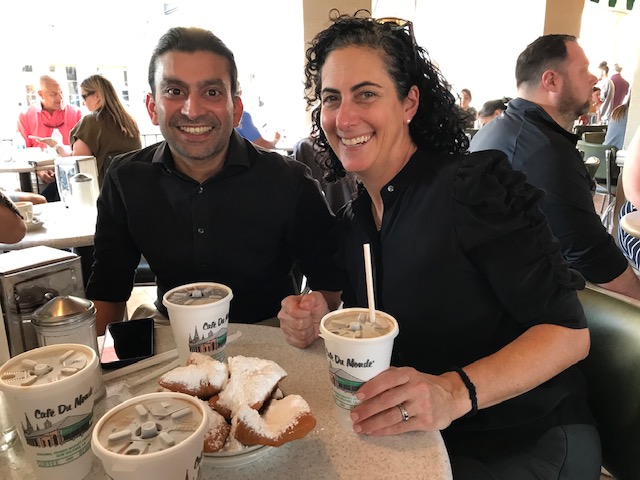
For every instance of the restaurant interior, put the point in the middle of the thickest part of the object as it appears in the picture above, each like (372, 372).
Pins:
(475, 44)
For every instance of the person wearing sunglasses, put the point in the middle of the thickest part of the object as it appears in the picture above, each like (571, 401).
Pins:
(48, 117)
(106, 131)
(490, 322)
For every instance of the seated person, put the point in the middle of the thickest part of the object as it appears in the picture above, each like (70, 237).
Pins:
(247, 129)
(206, 204)
(490, 322)
(12, 226)
(491, 110)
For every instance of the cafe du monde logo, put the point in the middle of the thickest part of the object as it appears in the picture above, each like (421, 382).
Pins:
(340, 378)
(59, 426)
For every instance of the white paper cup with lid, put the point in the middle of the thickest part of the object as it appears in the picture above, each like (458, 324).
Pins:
(50, 394)
(199, 316)
(153, 436)
(357, 350)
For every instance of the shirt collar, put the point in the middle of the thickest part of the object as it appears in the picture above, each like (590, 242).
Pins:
(527, 107)
(237, 156)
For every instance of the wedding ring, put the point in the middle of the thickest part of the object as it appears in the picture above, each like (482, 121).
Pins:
(405, 414)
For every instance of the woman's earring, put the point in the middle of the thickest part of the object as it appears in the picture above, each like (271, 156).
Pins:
(408, 121)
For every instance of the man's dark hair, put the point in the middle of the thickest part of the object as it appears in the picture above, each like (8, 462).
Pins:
(544, 53)
(182, 39)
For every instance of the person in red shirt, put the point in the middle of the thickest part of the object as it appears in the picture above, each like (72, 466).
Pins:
(44, 117)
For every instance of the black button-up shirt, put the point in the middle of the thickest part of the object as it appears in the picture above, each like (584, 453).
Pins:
(243, 227)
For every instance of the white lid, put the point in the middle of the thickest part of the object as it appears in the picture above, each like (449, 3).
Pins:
(46, 365)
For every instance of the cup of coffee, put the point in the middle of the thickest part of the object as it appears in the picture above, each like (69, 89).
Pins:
(158, 435)
(50, 394)
(357, 350)
(199, 316)
(26, 210)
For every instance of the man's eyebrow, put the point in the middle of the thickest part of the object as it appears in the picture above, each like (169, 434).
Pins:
(217, 82)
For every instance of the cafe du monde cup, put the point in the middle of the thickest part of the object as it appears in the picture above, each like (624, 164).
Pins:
(357, 350)
(152, 437)
(199, 316)
(50, 394)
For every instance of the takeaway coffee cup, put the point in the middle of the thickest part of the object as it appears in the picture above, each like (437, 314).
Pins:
(153, 436)
(357, 351)
(50, 394)
(199, 315)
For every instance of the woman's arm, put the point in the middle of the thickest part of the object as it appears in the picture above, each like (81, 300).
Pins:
(631, 171)
(433, 402)
(12, 227)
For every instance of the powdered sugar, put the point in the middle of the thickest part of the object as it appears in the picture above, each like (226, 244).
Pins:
(280, 415)
(252, 381)
(193, 376)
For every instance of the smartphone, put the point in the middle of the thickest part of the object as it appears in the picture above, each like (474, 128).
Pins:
(127, 342)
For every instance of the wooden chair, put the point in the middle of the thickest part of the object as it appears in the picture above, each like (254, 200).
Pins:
(612, 372)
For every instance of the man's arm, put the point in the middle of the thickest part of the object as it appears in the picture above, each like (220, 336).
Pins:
(626, 283)
(108, 312)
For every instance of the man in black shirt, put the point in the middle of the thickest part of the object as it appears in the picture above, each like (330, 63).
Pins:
(206, 205)
(554, 88)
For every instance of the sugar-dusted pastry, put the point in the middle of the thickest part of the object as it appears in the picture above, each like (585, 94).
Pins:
(218, 431)
(284, 420)
(202, 380)
(252, 381)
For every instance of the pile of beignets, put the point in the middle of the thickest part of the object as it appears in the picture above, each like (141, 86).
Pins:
(246, 406)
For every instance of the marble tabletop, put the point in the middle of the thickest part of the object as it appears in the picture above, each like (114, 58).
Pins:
(58, 226)
(330, 451)
(630, 223)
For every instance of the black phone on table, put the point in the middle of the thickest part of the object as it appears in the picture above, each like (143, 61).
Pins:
(127, 342)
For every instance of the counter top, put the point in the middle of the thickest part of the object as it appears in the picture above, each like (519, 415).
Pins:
(329, 452)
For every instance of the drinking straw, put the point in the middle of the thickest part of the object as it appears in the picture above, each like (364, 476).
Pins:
(369, 276)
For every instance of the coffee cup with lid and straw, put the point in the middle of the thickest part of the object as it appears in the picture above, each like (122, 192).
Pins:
(358, 343)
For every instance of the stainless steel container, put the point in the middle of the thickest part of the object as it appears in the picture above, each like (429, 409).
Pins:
(66, 319)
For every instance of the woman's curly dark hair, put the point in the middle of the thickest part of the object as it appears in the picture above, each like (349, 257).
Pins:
(435, 128)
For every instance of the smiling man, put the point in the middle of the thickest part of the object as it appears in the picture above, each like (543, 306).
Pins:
(205, 204)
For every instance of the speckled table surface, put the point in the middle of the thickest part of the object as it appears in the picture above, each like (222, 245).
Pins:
(329, 452)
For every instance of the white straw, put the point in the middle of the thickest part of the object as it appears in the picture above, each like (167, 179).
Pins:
(369, 276)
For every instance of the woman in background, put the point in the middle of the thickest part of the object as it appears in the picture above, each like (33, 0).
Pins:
(466, 112)
(490, 323)
(106, 131)
(491, 110)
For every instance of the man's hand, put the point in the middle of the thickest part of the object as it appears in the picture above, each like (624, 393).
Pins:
(47, 176)
(300, 317)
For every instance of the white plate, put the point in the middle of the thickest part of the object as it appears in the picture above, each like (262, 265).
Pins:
(236, 459)
(34, 225)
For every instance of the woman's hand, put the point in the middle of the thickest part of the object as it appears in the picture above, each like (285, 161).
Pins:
(429, 400)
(300, 317)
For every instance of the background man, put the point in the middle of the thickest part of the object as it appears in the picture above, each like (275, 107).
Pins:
(621, 86)
(205, 204)
(554, 88)
(607, 92)
(42, 118)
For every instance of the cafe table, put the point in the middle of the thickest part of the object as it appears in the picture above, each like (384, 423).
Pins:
(58, 226)
(630, 223)
(330, 451)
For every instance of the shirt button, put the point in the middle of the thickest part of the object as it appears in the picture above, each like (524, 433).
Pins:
(200, 189)
(391, 188)
(201, 230)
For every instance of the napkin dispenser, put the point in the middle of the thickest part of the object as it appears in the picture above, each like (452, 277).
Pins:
(29, 278)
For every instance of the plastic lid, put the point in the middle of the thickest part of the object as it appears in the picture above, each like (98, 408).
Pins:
(81, 177)
(149, 426)
(64, 310)
(44, 366)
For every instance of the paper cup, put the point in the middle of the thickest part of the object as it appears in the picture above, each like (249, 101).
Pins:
(153, 436)
(199, 315)
(357, 351)
(50, 394)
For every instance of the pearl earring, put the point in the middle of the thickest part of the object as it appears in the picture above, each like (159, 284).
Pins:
(408, 121)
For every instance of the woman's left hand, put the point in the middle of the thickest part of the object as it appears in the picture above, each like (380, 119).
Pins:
(427, 399)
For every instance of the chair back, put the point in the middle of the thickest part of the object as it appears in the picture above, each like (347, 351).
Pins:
(612, 372)
(580, 129)
(600, 151)
(594, 137)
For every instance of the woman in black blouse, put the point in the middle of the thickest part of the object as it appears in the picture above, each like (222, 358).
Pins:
(490, 324)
